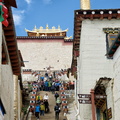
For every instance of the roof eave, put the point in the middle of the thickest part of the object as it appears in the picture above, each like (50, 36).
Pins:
(10, 37)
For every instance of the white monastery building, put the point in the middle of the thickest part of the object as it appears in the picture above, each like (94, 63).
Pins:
(44, 48)
(96, 72)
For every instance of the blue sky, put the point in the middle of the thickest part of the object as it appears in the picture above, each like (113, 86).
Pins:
(52, 12)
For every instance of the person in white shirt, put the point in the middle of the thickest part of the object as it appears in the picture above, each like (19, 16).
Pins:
(46, 97)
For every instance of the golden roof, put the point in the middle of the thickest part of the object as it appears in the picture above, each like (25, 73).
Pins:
(47, 30)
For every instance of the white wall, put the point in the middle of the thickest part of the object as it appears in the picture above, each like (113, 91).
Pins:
(7, 87)
(116, 67)
(28, 77)
(110, 97)
(45, 53)
(93, 62)
(7, 91)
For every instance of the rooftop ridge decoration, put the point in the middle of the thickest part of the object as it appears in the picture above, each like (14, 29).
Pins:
(47, 31)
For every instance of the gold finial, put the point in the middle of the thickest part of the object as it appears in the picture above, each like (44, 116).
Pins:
(41, 27)
(85, 4)
(53, 27)
(59, 27)
(35, 28)
(47, 26)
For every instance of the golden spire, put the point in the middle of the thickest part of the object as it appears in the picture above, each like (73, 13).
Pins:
(47, 26)
(59, 27)
(35, 28)
(85, 4)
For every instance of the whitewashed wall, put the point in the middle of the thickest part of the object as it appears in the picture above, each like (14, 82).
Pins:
(28, 77)
(45, 53)
(7, 91)
(7, 88)
(93, 62)
(110, 97)
(116, 59)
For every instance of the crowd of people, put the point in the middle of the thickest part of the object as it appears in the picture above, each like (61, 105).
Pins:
(42, 105)
(48, 84)
(45, 83)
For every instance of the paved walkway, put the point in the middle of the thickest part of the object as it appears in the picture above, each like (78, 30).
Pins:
(51, 114)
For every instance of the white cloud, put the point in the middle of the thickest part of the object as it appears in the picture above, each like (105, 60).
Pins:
(28, 1)
(18, 16)
(17, 19)
(47, 1)
(22, 11)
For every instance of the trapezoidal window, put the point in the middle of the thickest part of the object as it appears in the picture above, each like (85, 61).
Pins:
(111, 35)
(111, 39)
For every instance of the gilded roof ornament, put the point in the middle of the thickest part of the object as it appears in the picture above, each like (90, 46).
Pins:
(53, 27)
(41, 27)
(47, 31)
(59, 27)
(35, 28)
(47, 26)
(85, 4)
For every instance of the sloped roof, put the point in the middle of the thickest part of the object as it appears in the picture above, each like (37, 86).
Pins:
(10, 37)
